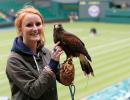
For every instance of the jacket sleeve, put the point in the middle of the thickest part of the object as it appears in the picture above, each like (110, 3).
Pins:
(24, 79)
(58, 72)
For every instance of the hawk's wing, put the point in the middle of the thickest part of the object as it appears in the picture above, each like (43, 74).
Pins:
(75, 44)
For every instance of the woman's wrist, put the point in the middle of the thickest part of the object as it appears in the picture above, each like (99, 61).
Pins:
(53, 64)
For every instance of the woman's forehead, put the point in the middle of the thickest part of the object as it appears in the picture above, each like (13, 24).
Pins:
(31, 17)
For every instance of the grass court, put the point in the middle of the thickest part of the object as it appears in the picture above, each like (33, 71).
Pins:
(109, 49)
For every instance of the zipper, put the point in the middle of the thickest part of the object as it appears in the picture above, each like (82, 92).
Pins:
(36, 63)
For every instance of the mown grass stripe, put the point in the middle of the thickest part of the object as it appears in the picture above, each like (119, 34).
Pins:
(110, 50)
(101, 81)
(101, 86)
(107, 71)
(98, 64)
(115, 60)
(109, 44)
(124, 51)
(108, 78)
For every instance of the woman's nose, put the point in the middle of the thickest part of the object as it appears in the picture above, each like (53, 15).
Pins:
(35, 27)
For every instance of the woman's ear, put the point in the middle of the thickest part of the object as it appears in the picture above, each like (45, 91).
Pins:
(20, 32)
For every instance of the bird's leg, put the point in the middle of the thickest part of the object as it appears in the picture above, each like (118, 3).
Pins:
(69, 59)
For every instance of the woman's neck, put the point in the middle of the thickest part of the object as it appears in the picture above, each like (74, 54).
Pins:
(32, 45)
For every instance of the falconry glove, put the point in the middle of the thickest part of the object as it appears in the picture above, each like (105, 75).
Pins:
(67, 72)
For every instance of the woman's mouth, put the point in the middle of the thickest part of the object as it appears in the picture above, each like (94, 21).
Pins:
(34, 33)
(35, 36)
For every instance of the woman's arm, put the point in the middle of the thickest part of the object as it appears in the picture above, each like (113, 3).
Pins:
(24, 78)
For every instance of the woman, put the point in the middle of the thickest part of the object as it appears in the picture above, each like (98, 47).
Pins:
(31, 68)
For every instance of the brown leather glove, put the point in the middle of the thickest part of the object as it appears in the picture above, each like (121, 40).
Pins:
(67, 72)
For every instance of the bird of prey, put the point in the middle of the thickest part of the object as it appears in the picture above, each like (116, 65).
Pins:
(73, 47)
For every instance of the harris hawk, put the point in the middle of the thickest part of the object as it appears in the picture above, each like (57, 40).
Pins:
(73, 47)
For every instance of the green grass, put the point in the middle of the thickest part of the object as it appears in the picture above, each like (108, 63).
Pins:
(110, 52)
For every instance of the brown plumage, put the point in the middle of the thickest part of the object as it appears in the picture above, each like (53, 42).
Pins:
(73, 47)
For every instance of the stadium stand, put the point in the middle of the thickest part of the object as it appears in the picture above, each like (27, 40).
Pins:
(48, 8)
(4, 19)
(60, 10)
(117, 15)
(119, 91)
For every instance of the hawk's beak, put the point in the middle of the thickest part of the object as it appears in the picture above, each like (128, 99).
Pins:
(56, 26)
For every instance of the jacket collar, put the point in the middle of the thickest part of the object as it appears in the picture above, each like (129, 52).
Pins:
(20, 47)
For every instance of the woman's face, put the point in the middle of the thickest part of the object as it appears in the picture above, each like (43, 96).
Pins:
(31, 28)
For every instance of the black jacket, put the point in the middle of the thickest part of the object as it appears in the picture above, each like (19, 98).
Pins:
(26, 82)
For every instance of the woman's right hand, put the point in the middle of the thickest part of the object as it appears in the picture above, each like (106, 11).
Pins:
(57, 51)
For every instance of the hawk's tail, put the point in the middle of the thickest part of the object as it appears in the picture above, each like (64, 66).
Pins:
(85, 65)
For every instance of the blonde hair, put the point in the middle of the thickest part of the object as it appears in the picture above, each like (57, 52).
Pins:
(20, 16)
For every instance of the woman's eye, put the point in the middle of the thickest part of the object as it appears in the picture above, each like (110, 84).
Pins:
(38, 24)
(32, 25)
(29, 25)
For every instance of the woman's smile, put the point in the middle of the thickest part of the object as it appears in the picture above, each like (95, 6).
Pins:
(34, 34)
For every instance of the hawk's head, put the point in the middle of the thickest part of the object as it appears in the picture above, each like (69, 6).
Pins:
(57, 26)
